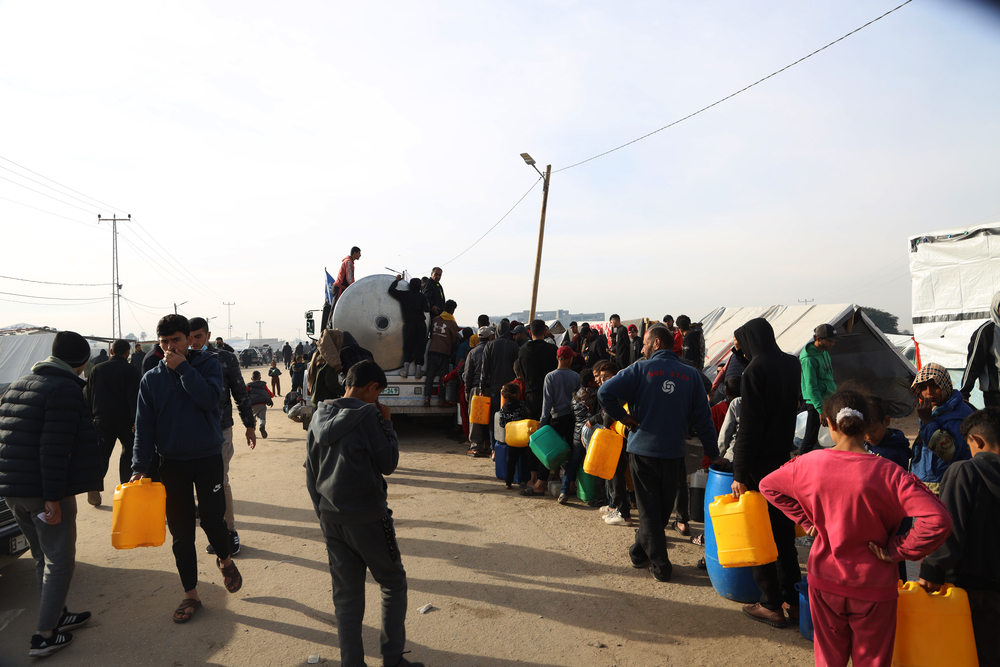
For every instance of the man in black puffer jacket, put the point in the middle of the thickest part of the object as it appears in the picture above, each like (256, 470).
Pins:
(49, 454)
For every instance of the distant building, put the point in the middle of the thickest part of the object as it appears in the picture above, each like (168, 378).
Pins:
(563, 316)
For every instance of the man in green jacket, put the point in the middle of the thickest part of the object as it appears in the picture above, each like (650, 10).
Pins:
(817, 380)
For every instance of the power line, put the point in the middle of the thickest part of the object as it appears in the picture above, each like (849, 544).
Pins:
(45, 282)
(45, 194)
(60, 184)
(79, 222)
(730, 96)
(35, 303)
(52, 298)
(45, 186)
(145, 305)
(494, 224)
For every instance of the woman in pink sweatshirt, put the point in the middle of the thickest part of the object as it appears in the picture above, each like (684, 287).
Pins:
(852, 502)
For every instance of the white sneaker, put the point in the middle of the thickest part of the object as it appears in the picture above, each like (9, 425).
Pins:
(406, 370)
(615, 519)
(607, 509)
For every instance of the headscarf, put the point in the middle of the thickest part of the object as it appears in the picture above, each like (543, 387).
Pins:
(938, 374)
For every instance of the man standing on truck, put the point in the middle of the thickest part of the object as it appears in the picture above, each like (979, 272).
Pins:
(434, 292)
(345, 277)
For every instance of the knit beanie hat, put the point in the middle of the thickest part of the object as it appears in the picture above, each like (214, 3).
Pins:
(71, 347)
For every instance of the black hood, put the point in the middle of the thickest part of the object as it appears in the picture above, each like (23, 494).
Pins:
(987, 464)
(504, 330)
(756, 337)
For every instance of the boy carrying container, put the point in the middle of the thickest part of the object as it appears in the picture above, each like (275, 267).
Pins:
(971, 492)
(852, 503)
(941, 412)
(260, 399)
(349, 447)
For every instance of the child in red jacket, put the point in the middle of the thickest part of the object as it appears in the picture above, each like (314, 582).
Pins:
(852, 502)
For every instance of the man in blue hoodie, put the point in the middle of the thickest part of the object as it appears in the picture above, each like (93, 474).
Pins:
(177, 418)
(349, 447)
(664, 397)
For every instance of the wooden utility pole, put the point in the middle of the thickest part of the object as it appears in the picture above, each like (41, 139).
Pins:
(541, 237)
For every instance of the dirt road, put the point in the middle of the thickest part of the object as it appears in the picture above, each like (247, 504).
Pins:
(513, 581)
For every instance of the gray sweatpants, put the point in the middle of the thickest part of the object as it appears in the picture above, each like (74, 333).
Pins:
(260, 412)
(351, 550)
(227, 455)
(54, 551)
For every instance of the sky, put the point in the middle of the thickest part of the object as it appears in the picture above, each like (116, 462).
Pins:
(254, 143)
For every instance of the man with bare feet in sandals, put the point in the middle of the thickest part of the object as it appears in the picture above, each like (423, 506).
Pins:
(177, 419)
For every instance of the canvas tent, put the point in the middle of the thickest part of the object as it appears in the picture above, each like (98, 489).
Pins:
(19, 352)
(954, 274)
(863, 354)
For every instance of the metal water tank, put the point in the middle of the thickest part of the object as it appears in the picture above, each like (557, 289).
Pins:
(374, 318)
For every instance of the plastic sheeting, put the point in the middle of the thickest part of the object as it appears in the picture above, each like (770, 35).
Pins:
(19, 353)
(954, 274)
(863, 354)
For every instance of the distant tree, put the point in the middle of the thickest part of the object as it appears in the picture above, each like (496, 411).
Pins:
(887, 322)
(142, 335)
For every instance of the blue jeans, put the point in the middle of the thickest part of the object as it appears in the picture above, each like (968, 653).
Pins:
(576, 456)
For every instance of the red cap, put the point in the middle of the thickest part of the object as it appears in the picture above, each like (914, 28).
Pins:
(564, 352)
(632, 327)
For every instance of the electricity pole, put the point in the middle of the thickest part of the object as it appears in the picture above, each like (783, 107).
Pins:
(116, 295)
(260, 336)
(178, 304)
(806, 302)
(541, 229)
(229, 316)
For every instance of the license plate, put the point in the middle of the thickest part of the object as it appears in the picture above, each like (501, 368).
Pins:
(18, 543)
(390, 391)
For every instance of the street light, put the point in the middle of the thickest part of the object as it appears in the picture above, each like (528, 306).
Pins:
(530, 161)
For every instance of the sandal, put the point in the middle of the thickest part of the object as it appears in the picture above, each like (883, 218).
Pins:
(698, 540)
(686, 532)
(186, 608)
(530, 492)
(231, 577)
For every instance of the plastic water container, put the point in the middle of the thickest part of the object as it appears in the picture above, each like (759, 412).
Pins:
(549, 447)
(479, 410)
(933, 629)
(603, 453)
(743, 530)
(500, 459)
(451, 391)
(734, 583)
(619, 428)
(586, 486)
(518, 434)
(139, 515)
(696, 494)
(805, 616)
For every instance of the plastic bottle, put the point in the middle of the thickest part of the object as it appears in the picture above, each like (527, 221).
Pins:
(743, 530)
(139, 515)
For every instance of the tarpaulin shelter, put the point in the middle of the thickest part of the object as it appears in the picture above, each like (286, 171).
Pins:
(20, 351)
(863, 354)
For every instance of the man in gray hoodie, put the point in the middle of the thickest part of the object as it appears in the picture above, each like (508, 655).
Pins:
(350, 445)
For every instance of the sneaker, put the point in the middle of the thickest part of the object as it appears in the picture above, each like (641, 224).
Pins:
(420, 373)
(562, 499)
(94, 498)
(405, 371)
(607, 509)
(616, 519)
(234, 543)
(42, 646)
(263, 432)
(70, 621)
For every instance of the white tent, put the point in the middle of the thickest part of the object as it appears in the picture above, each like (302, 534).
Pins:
(18, 353)
(954, 274)
(863, 354)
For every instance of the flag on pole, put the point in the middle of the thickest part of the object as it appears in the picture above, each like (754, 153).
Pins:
(329, 286)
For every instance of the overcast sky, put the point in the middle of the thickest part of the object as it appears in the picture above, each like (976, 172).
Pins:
(253, 143)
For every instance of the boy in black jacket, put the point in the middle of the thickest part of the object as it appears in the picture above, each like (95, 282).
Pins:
(349, 447)
(971, 492)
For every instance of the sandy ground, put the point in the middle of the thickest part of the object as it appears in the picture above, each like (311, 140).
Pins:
(513, 581)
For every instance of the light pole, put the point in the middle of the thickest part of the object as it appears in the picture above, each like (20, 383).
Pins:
(178, 304)
(541, 228)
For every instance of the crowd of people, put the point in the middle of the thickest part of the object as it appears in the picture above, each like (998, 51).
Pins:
(871, 501)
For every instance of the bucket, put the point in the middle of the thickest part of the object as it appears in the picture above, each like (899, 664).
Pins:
(549, 447)
(734, 583)
(139, 515)
(922, 621)
(500, 458)
(805, 616)
(479, 410)
(518, 434)
(603, 453)
(586, 486)
(696, 494)
(743, 530)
